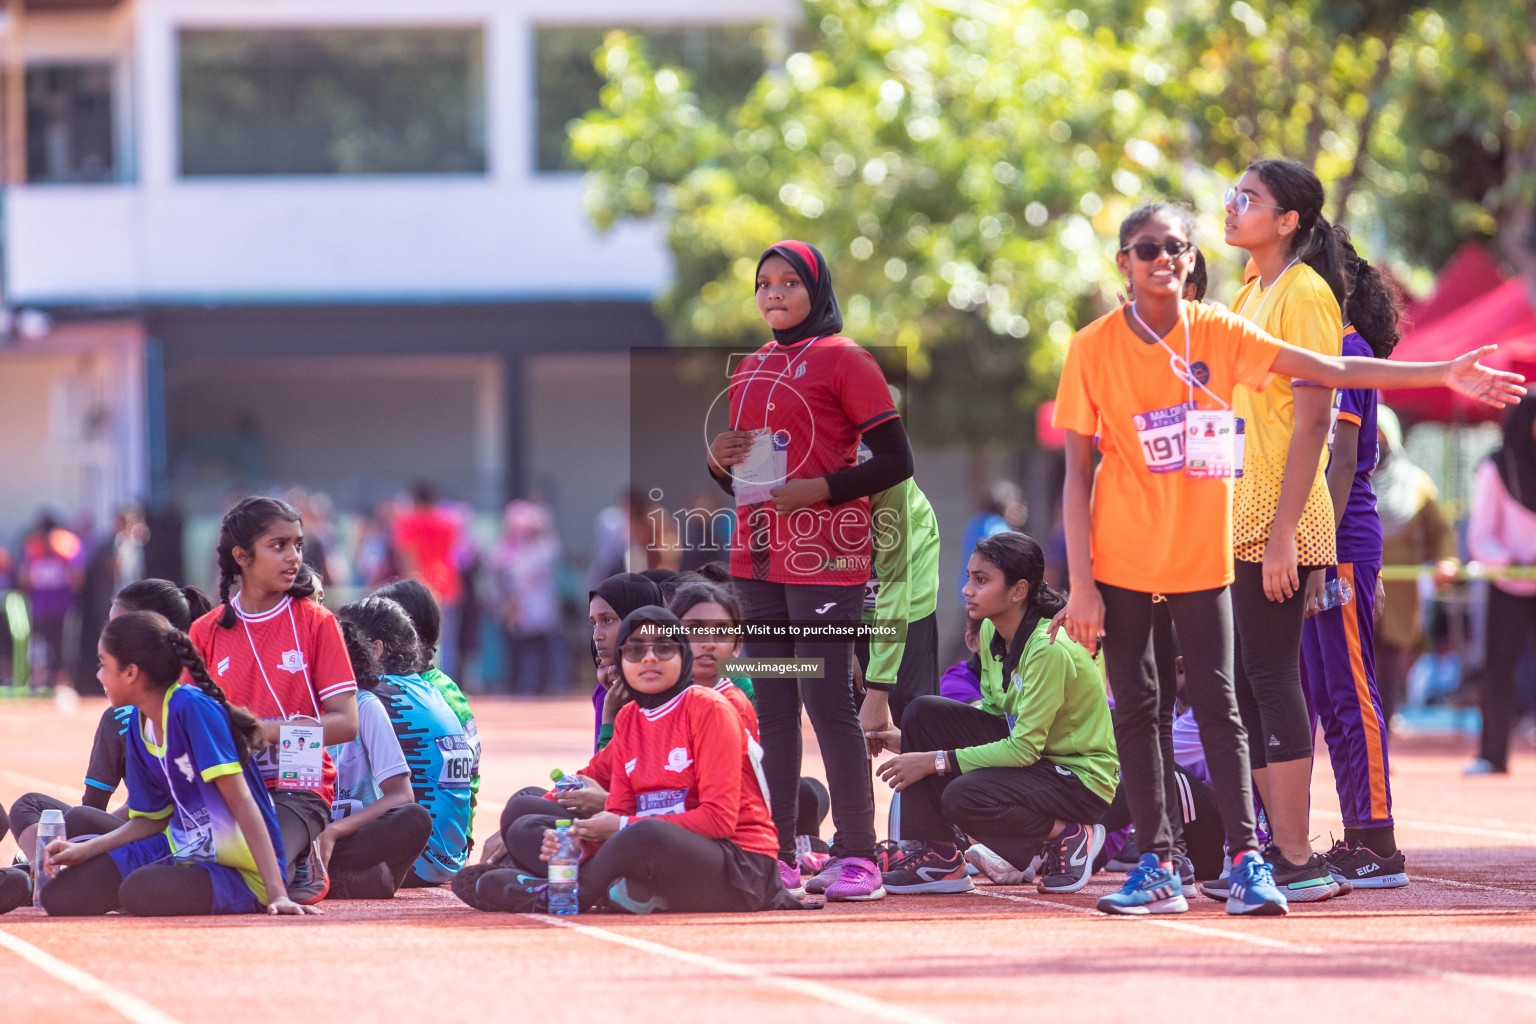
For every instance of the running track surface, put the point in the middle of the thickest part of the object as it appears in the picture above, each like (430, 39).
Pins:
(1461, 940)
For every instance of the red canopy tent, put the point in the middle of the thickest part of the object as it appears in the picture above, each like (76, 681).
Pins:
(1504, 316)
(1468, 275)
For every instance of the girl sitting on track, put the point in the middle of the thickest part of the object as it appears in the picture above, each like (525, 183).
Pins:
(203, 836)
(279, 653)
(433, 741)
(427, 618)
(686, 826)
(180, 606)
(377, 828)
(1033, 766)
(1134, 526)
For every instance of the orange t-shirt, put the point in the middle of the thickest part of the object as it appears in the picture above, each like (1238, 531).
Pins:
(1154, 529)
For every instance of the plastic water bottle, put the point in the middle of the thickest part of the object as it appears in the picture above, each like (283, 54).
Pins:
(1337, 594)
(563, 868)
(49, 827)
(565, 783)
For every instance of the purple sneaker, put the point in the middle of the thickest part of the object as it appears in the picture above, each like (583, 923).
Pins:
(858, 880)
(790, 876)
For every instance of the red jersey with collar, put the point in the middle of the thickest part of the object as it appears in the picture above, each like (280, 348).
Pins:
(743, 705)
(690, 760)
(281, 664)
(820, 394)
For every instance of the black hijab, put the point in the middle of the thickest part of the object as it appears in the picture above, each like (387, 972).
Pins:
(1516, 460)
(627, 591)
(669, 625)
(824, 319)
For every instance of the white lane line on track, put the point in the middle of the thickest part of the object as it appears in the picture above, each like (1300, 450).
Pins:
(130, 1007)
(851, 1001)
(1505, 985)
(32, 782)
(1473, 885)
(1443, 826)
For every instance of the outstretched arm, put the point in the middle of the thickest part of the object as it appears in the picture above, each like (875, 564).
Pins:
(1464, 374)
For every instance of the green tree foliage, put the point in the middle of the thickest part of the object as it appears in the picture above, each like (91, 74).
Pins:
(964, 164)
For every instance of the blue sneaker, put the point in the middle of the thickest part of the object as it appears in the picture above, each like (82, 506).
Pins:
(632, 896)
(1149, 888)
(1252, 889)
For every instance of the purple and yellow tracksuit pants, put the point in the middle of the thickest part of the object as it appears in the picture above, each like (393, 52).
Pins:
(1338, 672)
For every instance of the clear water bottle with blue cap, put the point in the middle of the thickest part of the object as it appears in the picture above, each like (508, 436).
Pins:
(49, 827)
(563, 869)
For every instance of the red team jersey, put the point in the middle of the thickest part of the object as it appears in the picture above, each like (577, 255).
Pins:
(824, 393)
(690, 760)
(743, 705)
(281, 664)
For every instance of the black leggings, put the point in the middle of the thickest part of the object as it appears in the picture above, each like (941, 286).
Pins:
(28, 810)
(1200, 822)
(155, 890)
(830, 703)
(1268, 669)
(1511, 619)
(1010, 810)
(689, 871)
(395, 838)
(1204, 622)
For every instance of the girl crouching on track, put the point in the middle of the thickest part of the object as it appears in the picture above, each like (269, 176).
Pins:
(1033, 765)
(203, 836)
(686, 826)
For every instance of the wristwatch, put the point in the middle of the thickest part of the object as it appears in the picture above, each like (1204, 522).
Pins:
(938, 762)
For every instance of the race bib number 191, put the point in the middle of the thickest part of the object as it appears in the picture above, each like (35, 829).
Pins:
(1161, 433)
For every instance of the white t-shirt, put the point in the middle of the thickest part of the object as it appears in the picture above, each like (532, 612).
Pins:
(366, 762)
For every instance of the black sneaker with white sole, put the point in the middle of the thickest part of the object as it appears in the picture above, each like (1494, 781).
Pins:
(1069, 858)
(1308, 882)
(1364, 868)
(929, 871)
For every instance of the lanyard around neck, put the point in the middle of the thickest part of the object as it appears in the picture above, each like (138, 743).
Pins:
(1179, 366)
(769, 400)
(1244, 310)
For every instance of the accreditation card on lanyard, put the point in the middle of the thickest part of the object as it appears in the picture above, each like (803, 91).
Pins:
(767, 463)
(1208, 435)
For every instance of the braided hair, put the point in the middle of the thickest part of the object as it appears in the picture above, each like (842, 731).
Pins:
(162, 652)
(242, 527)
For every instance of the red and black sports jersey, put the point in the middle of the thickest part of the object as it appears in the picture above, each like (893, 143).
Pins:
(691, 760)
(823, 393)
(281, 664)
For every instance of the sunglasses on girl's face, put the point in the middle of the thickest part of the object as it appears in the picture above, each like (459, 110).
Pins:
(1238, 202)
(1149, 251)
(664, 650)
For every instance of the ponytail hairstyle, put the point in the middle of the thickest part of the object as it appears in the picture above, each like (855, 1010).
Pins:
(1018, 557)
(163, 652)
(181, 606)
(365, 667)
(379, 618)
(242, 526)
(426, 616)
(1374, 307)
(1315, 241)
(691, 594)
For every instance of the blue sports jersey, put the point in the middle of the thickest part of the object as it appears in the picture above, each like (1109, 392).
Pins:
(443, 762)
(177, 781)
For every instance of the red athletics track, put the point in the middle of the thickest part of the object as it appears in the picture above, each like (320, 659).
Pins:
(1461, 940)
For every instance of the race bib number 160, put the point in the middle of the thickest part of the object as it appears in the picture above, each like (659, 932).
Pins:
(1161, 434)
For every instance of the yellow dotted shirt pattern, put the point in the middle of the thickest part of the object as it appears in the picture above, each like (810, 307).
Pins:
(1299, 309)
